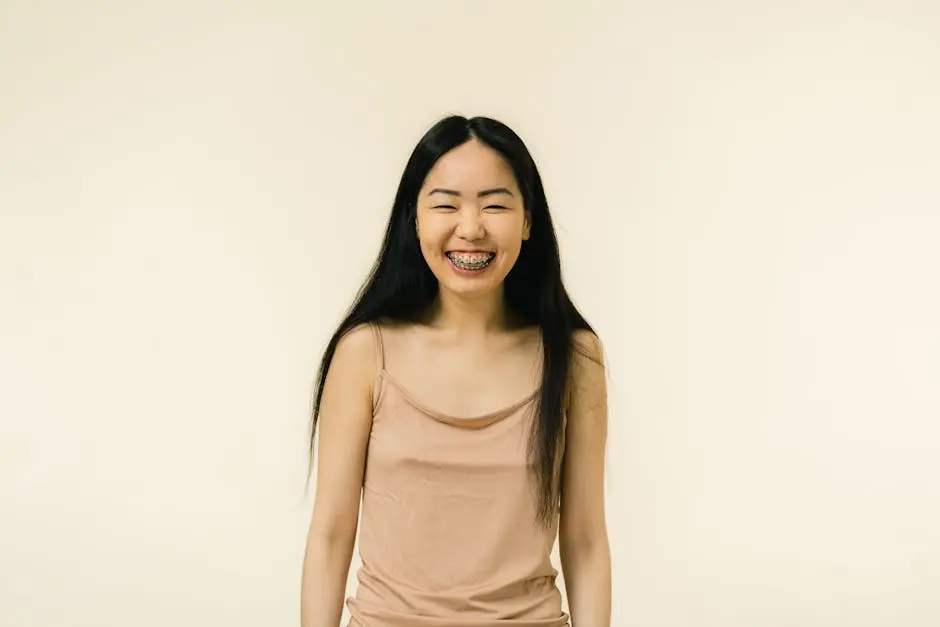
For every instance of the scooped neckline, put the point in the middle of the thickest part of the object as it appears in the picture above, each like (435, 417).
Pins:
(481, 420)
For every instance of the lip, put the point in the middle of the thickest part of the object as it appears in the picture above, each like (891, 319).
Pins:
(469, 273)
(469, 250)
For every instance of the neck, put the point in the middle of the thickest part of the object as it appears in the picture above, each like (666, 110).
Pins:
(469, 315)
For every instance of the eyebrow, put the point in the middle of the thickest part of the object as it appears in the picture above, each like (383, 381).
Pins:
(485, 192)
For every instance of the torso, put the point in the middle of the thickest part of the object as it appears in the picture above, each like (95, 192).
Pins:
(448, 530)
(459, 378)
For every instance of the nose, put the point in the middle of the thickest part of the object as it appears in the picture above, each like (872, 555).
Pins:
(470, 225)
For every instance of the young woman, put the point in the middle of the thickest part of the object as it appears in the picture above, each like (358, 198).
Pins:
(462, 403)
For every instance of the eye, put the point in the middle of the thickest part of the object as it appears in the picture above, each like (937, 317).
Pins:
(495, 207)
(443, 207)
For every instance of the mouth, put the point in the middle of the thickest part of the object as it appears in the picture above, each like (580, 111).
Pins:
(471, 262)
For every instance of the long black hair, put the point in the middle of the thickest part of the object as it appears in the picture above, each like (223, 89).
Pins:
(401, 286)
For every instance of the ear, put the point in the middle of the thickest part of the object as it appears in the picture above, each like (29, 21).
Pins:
(526, 226)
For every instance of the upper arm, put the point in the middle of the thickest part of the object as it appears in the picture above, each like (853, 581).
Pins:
(344, 424)
(583, 517)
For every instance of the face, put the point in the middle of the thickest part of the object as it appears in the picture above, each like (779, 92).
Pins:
(471, 220)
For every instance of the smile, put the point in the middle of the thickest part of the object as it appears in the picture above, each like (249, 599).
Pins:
(471, 261)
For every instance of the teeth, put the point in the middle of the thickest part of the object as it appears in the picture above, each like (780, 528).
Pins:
(470, 257)
(473, 261)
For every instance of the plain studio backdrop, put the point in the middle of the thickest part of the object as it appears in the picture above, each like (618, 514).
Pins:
(747, 196)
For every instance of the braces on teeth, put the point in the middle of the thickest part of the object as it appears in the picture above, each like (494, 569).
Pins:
(474, 264)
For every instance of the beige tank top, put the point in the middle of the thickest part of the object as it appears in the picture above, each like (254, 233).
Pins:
(448, 534)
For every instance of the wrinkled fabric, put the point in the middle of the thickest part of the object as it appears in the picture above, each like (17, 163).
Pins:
(448, 533)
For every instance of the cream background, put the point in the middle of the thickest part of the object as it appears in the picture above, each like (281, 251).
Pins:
(747, 199)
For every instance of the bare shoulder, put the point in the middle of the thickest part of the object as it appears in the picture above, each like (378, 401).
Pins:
(587, 385)
(355, 359)
(358, 342)
(587, 346)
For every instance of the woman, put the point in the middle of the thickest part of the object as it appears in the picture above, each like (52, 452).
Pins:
(462, 402)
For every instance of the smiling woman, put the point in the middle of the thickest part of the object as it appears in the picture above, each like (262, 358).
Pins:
(461, 406)
(465, 228)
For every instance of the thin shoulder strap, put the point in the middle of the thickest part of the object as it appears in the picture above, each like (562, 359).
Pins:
(379, 347)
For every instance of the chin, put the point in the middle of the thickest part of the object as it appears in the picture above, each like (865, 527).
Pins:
(470, 287)
(469, 291)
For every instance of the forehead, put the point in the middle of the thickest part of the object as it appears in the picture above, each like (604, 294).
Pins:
(472, 165)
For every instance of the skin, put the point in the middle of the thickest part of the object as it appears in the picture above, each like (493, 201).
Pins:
(458, 210)
(470, 200)
(582, 534)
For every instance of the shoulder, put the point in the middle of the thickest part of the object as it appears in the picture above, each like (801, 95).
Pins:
(357, 343)
(587, 383)
(357, 354)
(587, 346)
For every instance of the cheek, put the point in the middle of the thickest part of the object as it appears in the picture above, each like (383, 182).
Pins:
(434, 232)
(510, 239)
(429, 241)
(511, 253)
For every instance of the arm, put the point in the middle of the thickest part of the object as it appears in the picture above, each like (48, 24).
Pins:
(344, 423)
(583, 544)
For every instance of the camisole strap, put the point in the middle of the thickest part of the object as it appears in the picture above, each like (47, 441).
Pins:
(378, 385)
(379, 347)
